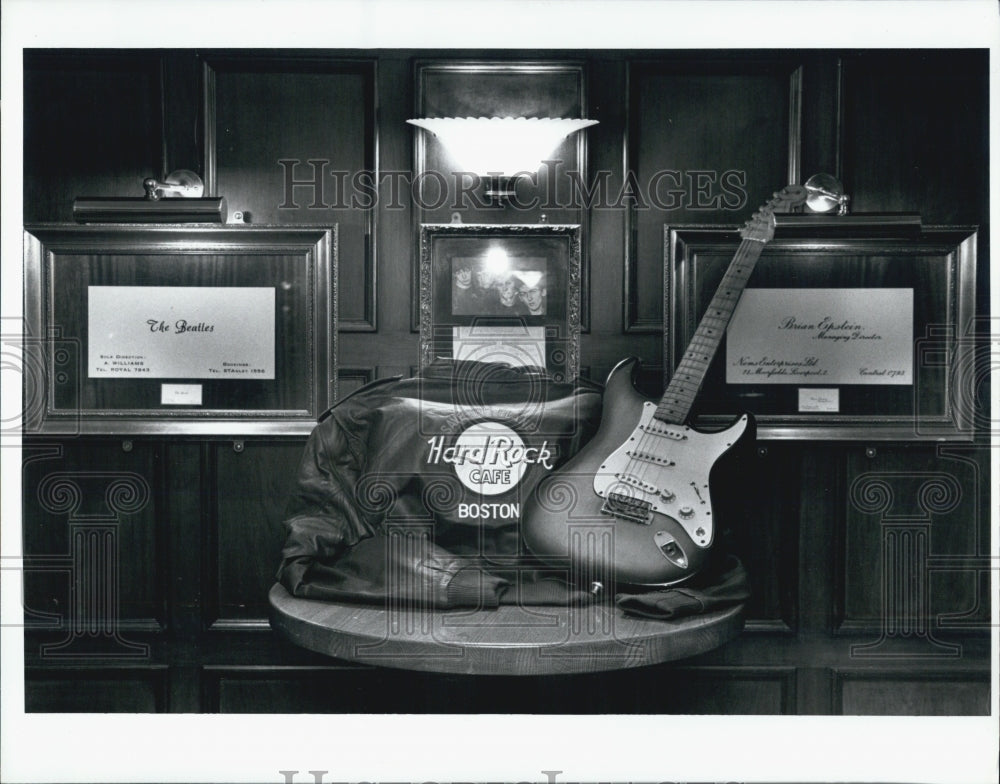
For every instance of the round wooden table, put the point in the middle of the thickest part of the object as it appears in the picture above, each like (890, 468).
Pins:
(508, 640)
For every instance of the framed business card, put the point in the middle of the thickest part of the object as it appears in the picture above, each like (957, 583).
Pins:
(849, 329)
(136, 329)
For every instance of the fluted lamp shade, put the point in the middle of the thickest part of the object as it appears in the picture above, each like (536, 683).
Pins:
(504, 146)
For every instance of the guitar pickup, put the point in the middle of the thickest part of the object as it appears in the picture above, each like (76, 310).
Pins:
(627, 508)
(628, 479)
(649, 457)
(663, 431)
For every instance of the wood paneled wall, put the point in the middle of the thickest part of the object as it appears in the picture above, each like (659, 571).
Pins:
(192, 563)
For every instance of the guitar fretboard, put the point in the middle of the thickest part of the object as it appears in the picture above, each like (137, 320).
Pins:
(675, 405)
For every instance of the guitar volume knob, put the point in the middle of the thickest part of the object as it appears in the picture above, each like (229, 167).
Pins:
(686, 512)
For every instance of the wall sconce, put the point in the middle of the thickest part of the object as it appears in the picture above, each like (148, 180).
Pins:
(501, 149)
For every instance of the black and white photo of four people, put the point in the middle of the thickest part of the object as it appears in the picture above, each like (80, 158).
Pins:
(483, 289)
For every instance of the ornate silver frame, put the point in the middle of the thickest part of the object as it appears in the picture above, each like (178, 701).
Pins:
(432, 235)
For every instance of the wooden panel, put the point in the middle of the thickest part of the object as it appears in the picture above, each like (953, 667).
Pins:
(252, 487)
(92, 127)
(182, 107)
(606, 86)
(915, 138)
(820, 514)
(185, 492)
(707, 143)
(82, 690)
(908, 535)
(821, 115)
(915, 134)
(758, 492)
(318, 117)
(351, 379)
(96, 493)
(729, 691)
(361, 690)
(909, 694)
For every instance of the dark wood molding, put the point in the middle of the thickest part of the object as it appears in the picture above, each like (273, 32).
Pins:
(792, 69)
(367, 68)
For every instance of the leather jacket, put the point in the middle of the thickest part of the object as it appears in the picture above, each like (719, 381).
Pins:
(388, 503)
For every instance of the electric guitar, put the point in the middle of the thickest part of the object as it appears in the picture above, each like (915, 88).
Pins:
(636, 499)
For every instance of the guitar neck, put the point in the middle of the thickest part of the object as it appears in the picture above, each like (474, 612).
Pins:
(675, 405)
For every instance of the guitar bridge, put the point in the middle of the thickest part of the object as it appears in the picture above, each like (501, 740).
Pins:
(627, 508)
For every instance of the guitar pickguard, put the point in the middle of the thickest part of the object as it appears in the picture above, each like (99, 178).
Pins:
(663, 469)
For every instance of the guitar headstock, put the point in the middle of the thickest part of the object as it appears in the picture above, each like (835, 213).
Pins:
(760, 227)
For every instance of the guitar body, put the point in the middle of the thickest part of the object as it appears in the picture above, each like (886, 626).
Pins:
(645, 482)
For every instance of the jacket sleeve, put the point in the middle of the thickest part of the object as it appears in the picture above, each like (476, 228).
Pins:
(321, 518)
(404, 570)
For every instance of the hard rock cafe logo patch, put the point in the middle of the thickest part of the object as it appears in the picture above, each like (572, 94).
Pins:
(489, 458)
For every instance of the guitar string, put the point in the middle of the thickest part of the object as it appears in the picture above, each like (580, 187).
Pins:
(694, 364)
(648, 443)
(746, 256)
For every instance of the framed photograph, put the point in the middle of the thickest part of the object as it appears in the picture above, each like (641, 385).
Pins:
(501, 293)
(179, 329)
(847, 329)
